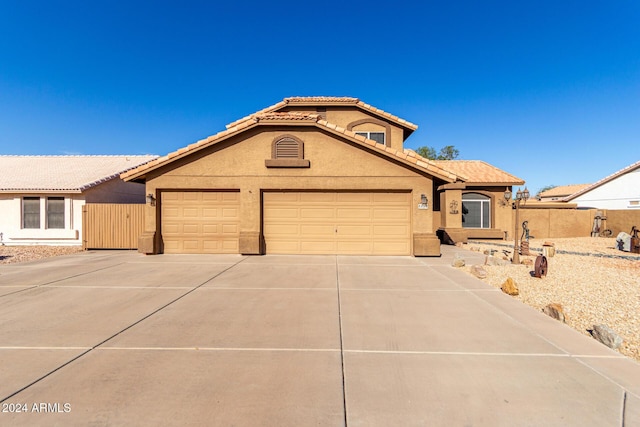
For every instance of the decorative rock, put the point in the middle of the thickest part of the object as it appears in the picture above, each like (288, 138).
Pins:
(478, 271)
(458, 261)
(606, 336)
(509, 287)
(492, 260)
(556, 311)
(527, 261)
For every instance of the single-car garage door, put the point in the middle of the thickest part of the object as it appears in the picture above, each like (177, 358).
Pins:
(337, 223)
(200, 222)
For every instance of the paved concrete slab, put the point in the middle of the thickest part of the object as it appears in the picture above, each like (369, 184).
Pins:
(278, 276)
(375, 277)
(378, 260)
(55, 317)
(432, 321)
(204, 388)
(20, 367)
(237, 318)
(274, 340)
(478, 390)
(147, 274)
(560, 335)
(292, 259)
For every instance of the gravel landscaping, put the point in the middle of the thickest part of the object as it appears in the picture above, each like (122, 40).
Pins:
(13, 254)
(593, 281)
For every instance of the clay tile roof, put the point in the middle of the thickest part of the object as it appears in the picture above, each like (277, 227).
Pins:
(604, 180)
(478, 172)
(321, 100)
(563, 190)
(297, 116)
(63, 173)
(312, 119)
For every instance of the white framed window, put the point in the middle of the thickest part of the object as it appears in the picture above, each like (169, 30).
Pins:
(476, 211)
(31, 212)
(55, 212)
(376, 136)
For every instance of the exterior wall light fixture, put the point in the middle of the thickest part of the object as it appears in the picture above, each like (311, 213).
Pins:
(151, 200)
(424, 202)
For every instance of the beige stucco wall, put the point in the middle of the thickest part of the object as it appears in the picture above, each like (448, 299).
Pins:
(336, 164)
(621, 220)
(557, 223)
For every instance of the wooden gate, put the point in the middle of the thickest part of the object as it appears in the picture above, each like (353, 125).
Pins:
(112, 226)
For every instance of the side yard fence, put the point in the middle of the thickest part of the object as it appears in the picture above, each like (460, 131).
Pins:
(557, 223)
(112, 226)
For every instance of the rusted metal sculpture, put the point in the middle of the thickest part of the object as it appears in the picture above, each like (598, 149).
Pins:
(541, 266)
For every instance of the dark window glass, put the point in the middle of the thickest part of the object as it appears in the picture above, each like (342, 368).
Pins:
(476, 211)
(377, 136)
(31, 212)
(55, 212)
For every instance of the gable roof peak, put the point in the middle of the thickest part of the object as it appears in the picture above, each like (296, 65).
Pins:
(320, 99)
(290, 115)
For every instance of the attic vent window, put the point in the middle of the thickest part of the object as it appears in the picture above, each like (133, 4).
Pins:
(287, 151)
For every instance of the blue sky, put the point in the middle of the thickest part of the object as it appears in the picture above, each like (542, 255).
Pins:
(548, 91)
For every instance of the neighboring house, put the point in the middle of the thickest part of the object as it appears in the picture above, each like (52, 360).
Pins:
(560, 192)
(316, 175)
(620, 190)
(41, 197)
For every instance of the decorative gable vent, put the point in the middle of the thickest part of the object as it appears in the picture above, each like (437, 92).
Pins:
(287, 148)
(287, 151)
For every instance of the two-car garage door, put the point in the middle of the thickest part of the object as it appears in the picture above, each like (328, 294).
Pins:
(200, 222)
(337, 223)
(359, 223)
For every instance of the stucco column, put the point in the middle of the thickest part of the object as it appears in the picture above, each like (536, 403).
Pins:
(149, 241)
(425, 241)
(451, 211)
(250, 238)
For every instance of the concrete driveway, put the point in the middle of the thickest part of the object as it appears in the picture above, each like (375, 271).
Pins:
(118, 338)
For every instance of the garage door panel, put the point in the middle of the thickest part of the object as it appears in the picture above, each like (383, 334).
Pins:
(200, 222)
(280, 214)
(311, 230)
(318, 247)
(393, 248)
(337, 223)
(390, 230)
(190, 229)
(281, 230)
(317, 212)
(362, 231)
(321, 198)
(230, 229)
(354, 198)
(353, 213)
(391, 214)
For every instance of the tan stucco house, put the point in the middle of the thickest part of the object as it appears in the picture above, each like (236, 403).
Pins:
(316, 175)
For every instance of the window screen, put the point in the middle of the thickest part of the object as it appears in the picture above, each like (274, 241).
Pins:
(55, 212)
(376, 136)
(31, 212)
(476, 211)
